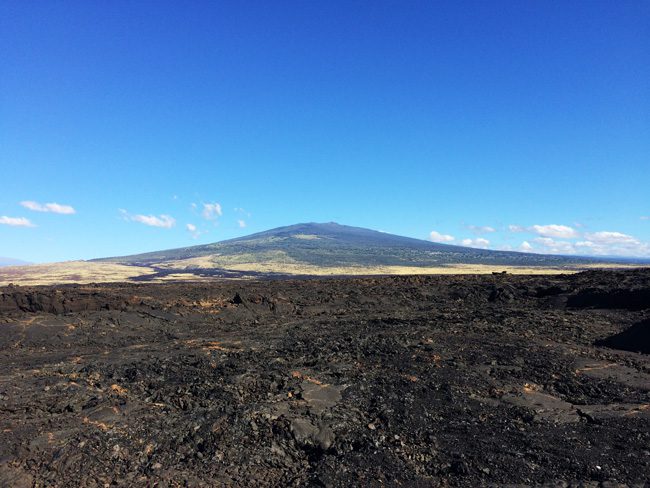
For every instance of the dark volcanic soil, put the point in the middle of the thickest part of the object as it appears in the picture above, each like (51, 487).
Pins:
(400, 381)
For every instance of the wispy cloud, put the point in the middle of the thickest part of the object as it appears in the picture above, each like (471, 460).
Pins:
(554, 246)
(606, 237)
(645, 217)
(479, 243)
(211, 211)
(242, 211)
(554, 230)
(241, 223)
(550, 230)
(48, 207)
(481, 229)
(525, 246)
(163, 221)
(16, 221)
(193, 230)
(438, 237)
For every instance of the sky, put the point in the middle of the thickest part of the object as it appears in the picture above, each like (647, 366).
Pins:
(128, 127)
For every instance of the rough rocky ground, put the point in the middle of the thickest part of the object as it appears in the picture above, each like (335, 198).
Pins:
(399, 381)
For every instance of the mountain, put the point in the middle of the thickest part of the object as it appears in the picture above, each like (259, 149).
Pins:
(331, 245)
(12, 262)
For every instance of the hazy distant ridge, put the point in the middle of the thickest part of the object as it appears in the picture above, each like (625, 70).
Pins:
(12, 262)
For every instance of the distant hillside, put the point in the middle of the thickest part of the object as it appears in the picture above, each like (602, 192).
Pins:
(12, 262)
(335, 245)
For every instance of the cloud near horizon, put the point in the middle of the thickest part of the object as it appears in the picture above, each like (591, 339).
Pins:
(611, 238)
(554, 246)
(16, 221)
(525, 247)
(438, 237)
(550, 230)
(554, 230)
(563, 239)
(556, 239)
(602, 243)
(479, 243)
(613, 244)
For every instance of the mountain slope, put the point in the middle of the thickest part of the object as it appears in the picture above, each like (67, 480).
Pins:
(332, 245)
(12, 262)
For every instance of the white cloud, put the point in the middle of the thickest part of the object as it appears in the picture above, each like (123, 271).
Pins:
(211, 211)
(551, 230)
(562, 239)
(16, 221)
(164, 221)
(48, 207)
(479, 242)
(605, 237)
(481, 229)
(242, 223)
(607, 243)
(645, 217)
(553, 246)
(554, 230)
(525, 246)
(193, 230)
(438, 237)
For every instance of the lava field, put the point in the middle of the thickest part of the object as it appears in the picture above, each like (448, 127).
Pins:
(492, 380)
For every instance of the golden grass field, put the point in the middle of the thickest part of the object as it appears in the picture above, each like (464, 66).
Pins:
(92, 272)
(306, 269)
(69, 272)
(267, 262)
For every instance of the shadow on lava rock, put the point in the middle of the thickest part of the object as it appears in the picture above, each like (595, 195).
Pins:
(634, 339)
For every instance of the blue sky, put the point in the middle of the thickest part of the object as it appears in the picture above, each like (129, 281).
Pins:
(521, 125)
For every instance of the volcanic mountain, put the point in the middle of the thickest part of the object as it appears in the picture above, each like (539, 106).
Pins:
(12, 262)
(331, 247)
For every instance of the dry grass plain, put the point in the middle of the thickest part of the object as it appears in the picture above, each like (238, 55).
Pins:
(189, 270)
(70, 272)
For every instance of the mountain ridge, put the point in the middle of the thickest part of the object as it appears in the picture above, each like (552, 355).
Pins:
(5, 261)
